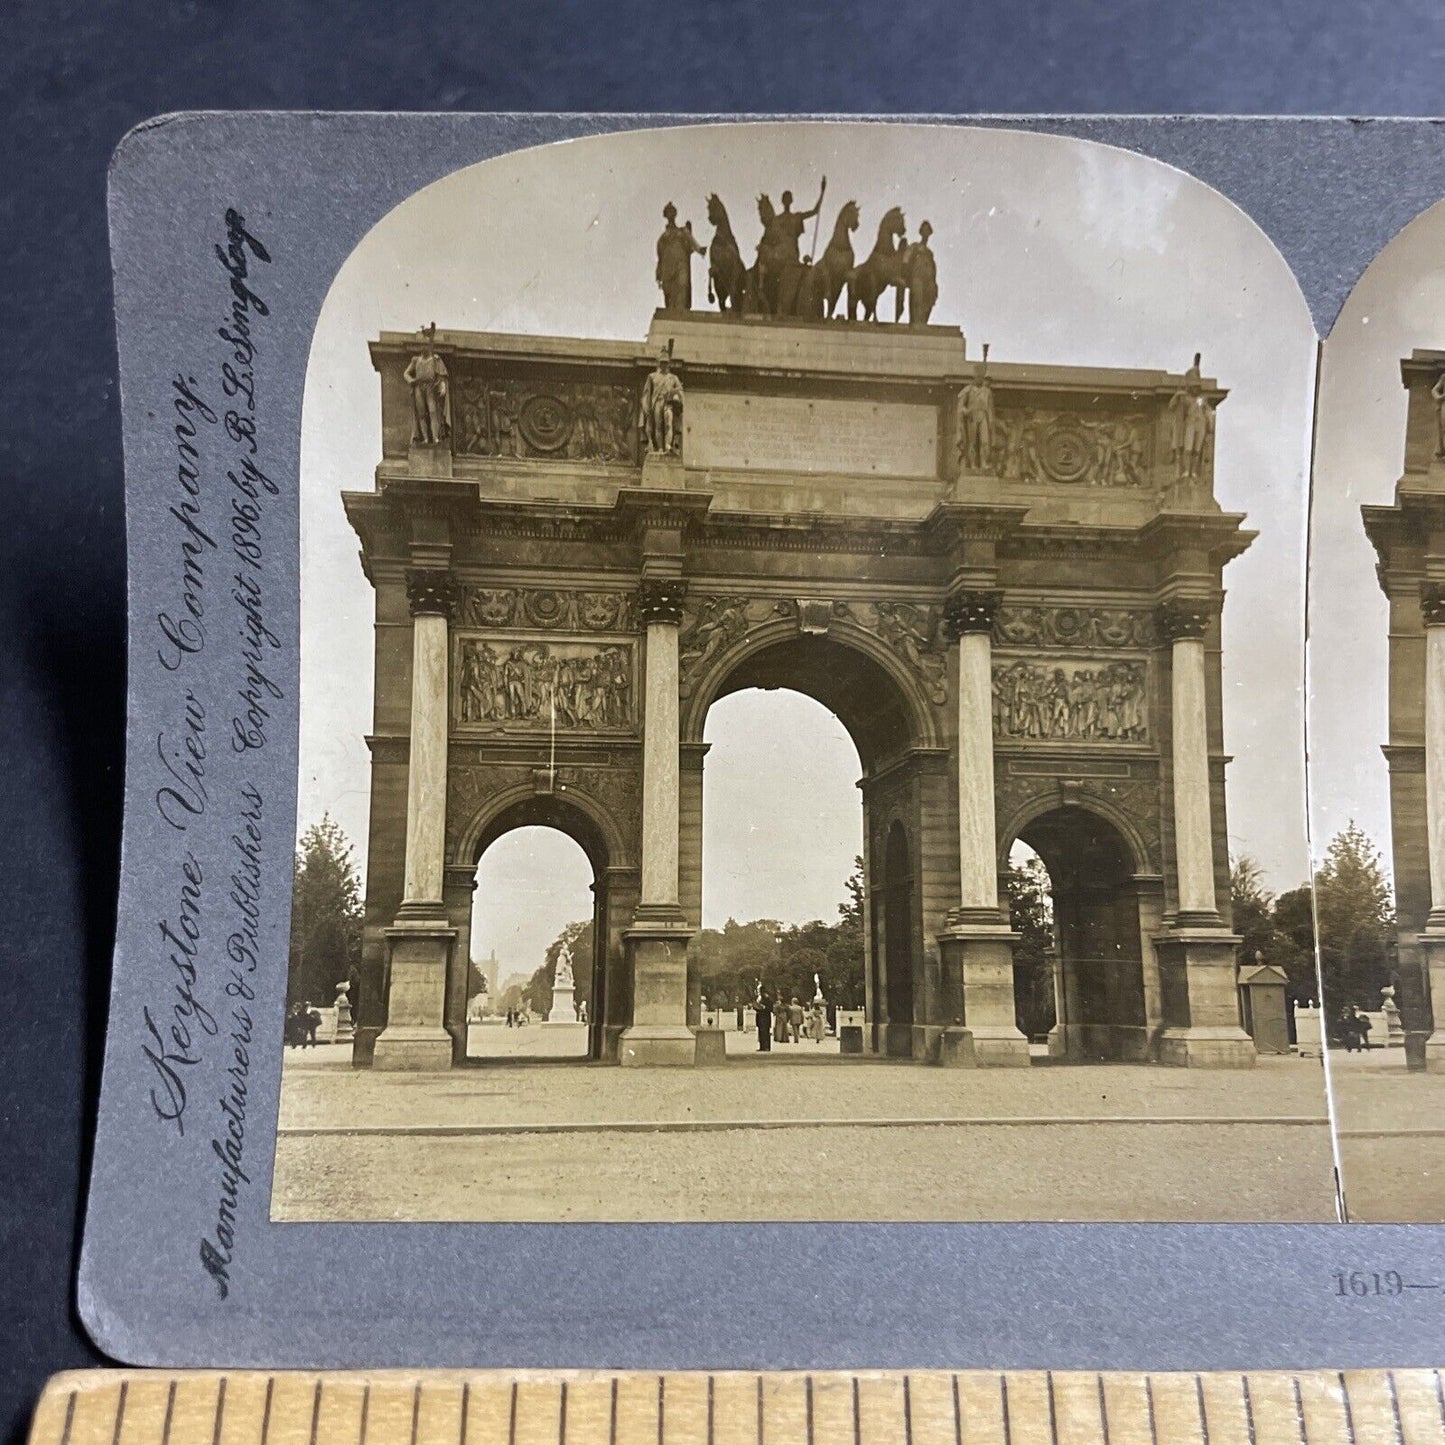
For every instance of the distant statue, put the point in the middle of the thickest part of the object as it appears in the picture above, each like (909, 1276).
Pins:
(675, 249)
(726, 274)
(1191, 425)
(1438, 393)
(975, 422)
(660, 416)
(562, 974)
(426, 374)
(883, 268)
(922, 274)
(817, 989)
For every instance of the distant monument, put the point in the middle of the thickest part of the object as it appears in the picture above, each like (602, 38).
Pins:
(564, 1010)
(345, 1026)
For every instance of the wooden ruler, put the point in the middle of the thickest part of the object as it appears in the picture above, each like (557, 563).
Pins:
(870, 1407)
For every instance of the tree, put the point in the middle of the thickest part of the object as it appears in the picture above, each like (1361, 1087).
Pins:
(1356, 920)
(1293, 922)
(1031, 913)
(1252, 908)
(326, 917)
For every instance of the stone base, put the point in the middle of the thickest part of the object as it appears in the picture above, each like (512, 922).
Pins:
(666, 1046)
(1434, 1053)
(977, 949)
(1200, 998)
(956, 1050)
(663, 471)
(563, 1010)
(1207, 1048)
(415, 1037)
(712, 1048)
(422, 1050)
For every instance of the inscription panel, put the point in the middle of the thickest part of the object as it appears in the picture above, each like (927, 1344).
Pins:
(810, 435)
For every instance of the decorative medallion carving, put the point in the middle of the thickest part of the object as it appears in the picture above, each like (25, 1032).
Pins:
(972, 611)
(1432, 603)
(618, 791)
(547, 607)
(468, 786)
(514, 685)
(431, 590)
(1072, 450)
(583, 421)
(659, 599)
(1071, 701)
(1183, 618)
(1074, 627)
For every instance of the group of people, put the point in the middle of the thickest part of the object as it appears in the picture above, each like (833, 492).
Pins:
(1352, 1029)
(782, 1022)
(302, 1022)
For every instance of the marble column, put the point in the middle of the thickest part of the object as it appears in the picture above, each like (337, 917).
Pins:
(657, 941)
(422, 939)
(977, 943)
(1432, 941)
(1198, 954)
(1185, 627)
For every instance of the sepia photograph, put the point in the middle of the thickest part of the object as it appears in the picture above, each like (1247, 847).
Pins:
(1377, 726)
(803, 697)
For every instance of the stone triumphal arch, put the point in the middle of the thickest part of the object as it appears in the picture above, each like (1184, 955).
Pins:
(1005, 580)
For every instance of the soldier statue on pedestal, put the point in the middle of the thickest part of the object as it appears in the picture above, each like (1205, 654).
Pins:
(660, 415)
(427, 376)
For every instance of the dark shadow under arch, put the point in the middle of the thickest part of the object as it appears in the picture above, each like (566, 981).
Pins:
(1099, 973)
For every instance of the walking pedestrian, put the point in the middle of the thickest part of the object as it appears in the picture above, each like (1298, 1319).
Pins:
(817, 1022)
(795, 1019)
(763, 1018)
(780, 1021)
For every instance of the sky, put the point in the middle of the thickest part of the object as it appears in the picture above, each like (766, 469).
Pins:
(1052, 250)
(1397, 305)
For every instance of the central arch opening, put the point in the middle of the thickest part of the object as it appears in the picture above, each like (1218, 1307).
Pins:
(533, 911)
(813, 742)
(1087, 936)
(781, 885)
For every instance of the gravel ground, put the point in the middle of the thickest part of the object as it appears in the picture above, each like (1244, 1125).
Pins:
(620, 1144)
(1201, 1172)
(1392, 1138)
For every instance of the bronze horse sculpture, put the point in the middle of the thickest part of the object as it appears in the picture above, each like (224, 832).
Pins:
(836, 263)
(726, 274)
(884, 267)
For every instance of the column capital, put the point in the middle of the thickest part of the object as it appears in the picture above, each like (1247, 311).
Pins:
(659, 599)
(1183, 617)
(970, 609)
(431, 590)
(1432, 603)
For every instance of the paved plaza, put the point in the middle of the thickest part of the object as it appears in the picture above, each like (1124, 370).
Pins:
(791, 1137)
(1392, 1137)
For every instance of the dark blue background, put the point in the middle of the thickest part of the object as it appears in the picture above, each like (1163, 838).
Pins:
(74, 76)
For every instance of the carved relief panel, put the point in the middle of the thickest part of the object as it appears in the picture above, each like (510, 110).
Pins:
(1039, 446)
(1070, 701)
(713, 623)
(582, 421)
(547, 607)
(518, 683)
(1062, 674)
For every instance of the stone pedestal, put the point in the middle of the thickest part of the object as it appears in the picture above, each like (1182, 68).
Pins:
(415, 1036)
(663, 471)
(979, 954)
(712, 1048)
(658, 1034)
(563, 1010)
(1201, 1001)
(1432, 951)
